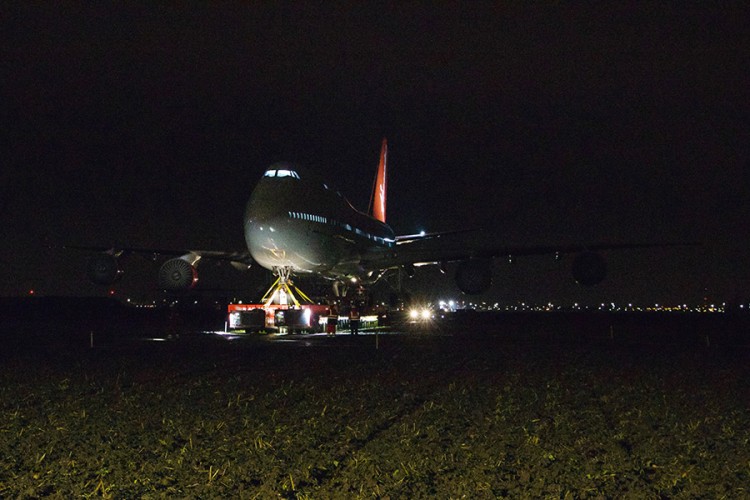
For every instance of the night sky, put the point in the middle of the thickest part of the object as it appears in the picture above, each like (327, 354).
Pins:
(148, 124)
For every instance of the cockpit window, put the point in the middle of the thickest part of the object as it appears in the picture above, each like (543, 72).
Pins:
(287, 173)
(281, 173)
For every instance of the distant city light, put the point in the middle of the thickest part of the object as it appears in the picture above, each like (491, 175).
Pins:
(611, 307)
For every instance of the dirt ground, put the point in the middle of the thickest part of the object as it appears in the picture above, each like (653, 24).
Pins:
(425, 415)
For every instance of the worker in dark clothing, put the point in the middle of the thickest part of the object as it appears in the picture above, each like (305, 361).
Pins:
(354, 320)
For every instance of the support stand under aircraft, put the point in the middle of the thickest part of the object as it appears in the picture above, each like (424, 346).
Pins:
(282, 290)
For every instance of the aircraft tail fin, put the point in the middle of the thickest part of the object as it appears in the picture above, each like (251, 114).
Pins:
(377, 201)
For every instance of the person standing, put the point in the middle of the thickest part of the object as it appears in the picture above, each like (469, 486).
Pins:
(333, 319)
(354, 319)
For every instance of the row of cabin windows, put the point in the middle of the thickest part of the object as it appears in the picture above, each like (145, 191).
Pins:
(325, 220)
(310, 217)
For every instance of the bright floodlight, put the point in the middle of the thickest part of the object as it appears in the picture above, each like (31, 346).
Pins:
(425, 314)
(414, 314)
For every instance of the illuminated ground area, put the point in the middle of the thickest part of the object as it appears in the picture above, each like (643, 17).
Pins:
(481, 414)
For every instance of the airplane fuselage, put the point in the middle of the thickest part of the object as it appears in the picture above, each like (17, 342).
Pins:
(293, 220)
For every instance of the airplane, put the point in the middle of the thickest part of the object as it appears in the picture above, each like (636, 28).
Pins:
(296, 224)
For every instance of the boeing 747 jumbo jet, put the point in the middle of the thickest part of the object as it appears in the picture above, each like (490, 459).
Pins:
(297, 224)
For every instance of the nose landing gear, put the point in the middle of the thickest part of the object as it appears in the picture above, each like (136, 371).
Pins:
(283, 290)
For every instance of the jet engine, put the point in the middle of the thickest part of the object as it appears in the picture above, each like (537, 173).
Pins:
(410, 270)
(177, 274)
(474, 276)
(103, 269)
(589, 268)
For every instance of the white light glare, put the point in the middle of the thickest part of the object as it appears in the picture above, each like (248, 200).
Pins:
(420, 314)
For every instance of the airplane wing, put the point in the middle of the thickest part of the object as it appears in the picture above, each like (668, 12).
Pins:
(439, 249)
(177, 273)
(240, 257)
(406, 238)
(474, 250)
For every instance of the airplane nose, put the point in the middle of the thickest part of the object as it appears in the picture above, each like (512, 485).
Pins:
(265, 240)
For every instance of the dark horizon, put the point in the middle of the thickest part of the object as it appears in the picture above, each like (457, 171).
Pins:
(149, 126)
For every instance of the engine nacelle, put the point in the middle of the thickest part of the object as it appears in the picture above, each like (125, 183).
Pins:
(410, 270)
(589, 268)
(177, 274)
(103, 269)
(474, 276)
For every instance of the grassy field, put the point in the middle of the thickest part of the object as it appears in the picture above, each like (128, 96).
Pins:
(425, 415)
